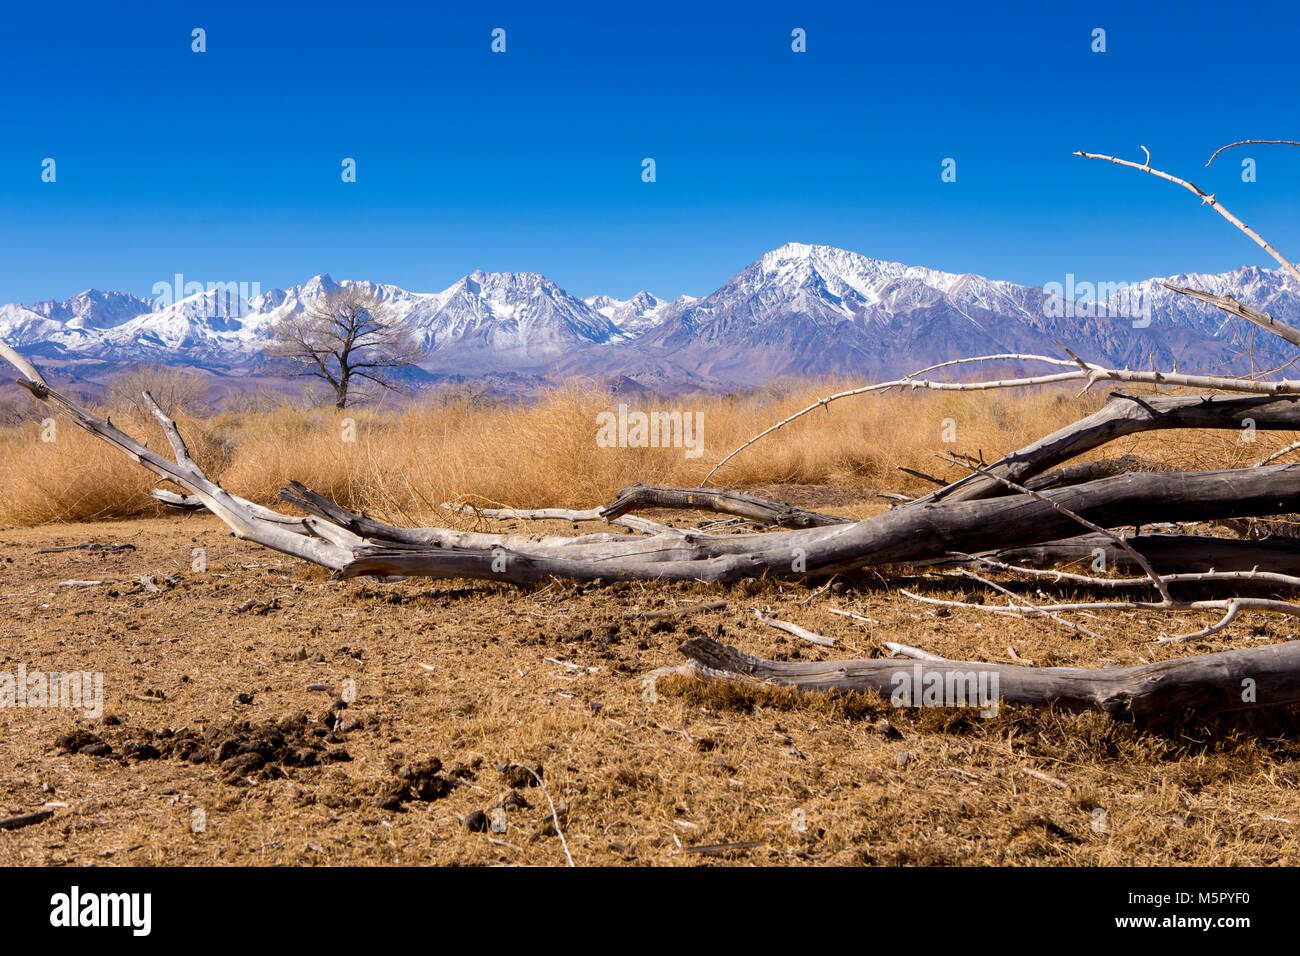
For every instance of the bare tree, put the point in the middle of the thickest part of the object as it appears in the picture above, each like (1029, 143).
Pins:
(340, 337)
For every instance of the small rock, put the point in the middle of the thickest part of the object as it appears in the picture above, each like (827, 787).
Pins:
(299, 655)
(902, 758)
(887, 729)
(476, 822)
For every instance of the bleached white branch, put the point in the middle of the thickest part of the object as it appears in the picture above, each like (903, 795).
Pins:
(1207, 199)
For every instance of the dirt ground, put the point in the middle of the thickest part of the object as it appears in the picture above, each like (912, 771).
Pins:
(256, 712)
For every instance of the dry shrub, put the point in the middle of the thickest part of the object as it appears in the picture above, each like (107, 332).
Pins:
(176, 390)
(463, 445)
(76, 477)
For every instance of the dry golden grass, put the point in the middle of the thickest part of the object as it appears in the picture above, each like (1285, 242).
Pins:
(544, 452)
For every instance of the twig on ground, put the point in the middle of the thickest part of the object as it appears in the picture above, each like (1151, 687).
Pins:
(819, 592)
(1028, 605)
(906, 650)
(1278, 454)
(810, 636)
(555, 818)
(25, 819)
(1039, 775)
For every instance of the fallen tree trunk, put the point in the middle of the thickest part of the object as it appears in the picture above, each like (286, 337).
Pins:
(1124, 415)
(905, 534)
(1168, 553)
(1210, 683)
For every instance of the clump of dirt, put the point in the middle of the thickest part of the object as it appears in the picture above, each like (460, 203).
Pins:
(521, 775)
(245, 752)
(241, 749)
(416, 780)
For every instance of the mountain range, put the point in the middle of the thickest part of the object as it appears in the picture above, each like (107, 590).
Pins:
(800, 310)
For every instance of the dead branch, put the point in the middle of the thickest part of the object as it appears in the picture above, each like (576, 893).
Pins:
(1122, 415)
(1137, 556)
(1230, 606)
(774, 513)
(1207, 199)
(1029, 607)
(799, 632)
(906, 650)
(1196, 577)
(1278, 454)
(1211, 683)
(1231, 306)
(640, 497)
(1091, 471)
(1168, 553)
(1087, 372)
(87, 546)
(644, 525)
(1252, 142)
(25, 820)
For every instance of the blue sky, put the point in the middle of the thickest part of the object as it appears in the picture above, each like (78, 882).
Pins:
(225, 165)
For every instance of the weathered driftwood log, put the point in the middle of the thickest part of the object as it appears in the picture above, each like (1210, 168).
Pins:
(1210, 683)
(1124, 415)
(903, 535)
(1168, 553)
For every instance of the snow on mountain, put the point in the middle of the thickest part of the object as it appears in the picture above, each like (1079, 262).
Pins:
(70, 324)
(517, 316)
(635, 315)
(93, 309)
(813, 310)
(797, 310)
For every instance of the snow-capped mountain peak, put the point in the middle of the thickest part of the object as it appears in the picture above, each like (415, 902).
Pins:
(799, 309)
(632, 316)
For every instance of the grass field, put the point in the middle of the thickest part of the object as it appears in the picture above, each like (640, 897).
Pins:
(544, 453)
